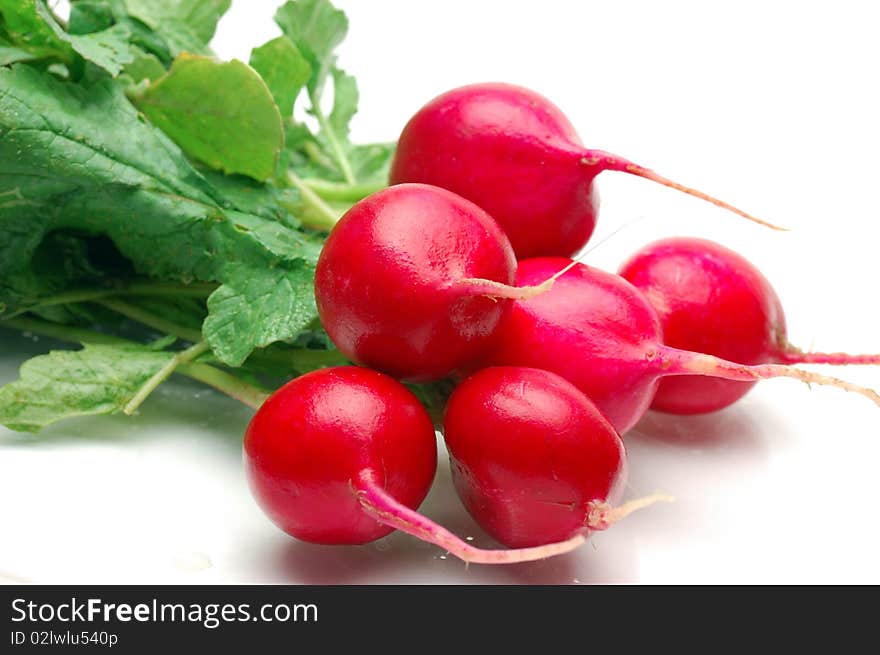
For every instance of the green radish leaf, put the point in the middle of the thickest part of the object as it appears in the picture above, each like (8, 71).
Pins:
(109, 49)
(99, 379)
(305, 154)
(184, 25)
(92, 16)
(60, 260)
(9, 54)
(312, 157)
(372, 162)
(257, 297)
(284, 69)
(88, 16)
(219, 113)
(58, 137)
(316, 27)
(248, 196)
(81, 159)
(345, 103)
(31, 27)
(78, 160)
(144, 66)
(185, 312)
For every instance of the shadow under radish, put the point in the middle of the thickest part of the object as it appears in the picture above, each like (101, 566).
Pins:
(706, 463)
(732, 429)
(686, 455)
(400, 559)
(391, 560)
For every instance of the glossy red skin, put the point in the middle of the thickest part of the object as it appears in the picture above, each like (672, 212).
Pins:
(388, 286)
(593, 328)
(310, 441)
(710, 300)
(512, 152)
(529, 453)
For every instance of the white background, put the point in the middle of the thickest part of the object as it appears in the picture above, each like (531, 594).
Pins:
(770, 105)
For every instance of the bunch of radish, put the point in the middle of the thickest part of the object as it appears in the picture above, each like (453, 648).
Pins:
(461, 270)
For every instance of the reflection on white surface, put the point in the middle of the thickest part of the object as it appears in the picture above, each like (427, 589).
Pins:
(762, 495)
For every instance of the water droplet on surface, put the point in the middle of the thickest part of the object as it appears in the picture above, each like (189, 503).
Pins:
(192, 562)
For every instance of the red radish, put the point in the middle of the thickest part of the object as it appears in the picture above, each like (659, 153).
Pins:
(413, 281)
(532, 458)
(712, 300)
(344, 456)
(515, 154)
(599, 332)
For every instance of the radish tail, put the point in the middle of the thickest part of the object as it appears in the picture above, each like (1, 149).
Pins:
(605, 161)
(792, 355)
(603, 515)
(379, 504)
(682, 362)
(494, 289)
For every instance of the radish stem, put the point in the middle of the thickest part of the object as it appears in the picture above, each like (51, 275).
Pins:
(495, 289)
(602, 515)
(183, 357)
(606, 161)
(683, 362)
(793, 355)
(131, 289)
(330, 133)
(387, 510)
(150, 320)
(62, 332)
(326, 217)
(250, 395)
(301, 359)
(242, 391)
(342, 192)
